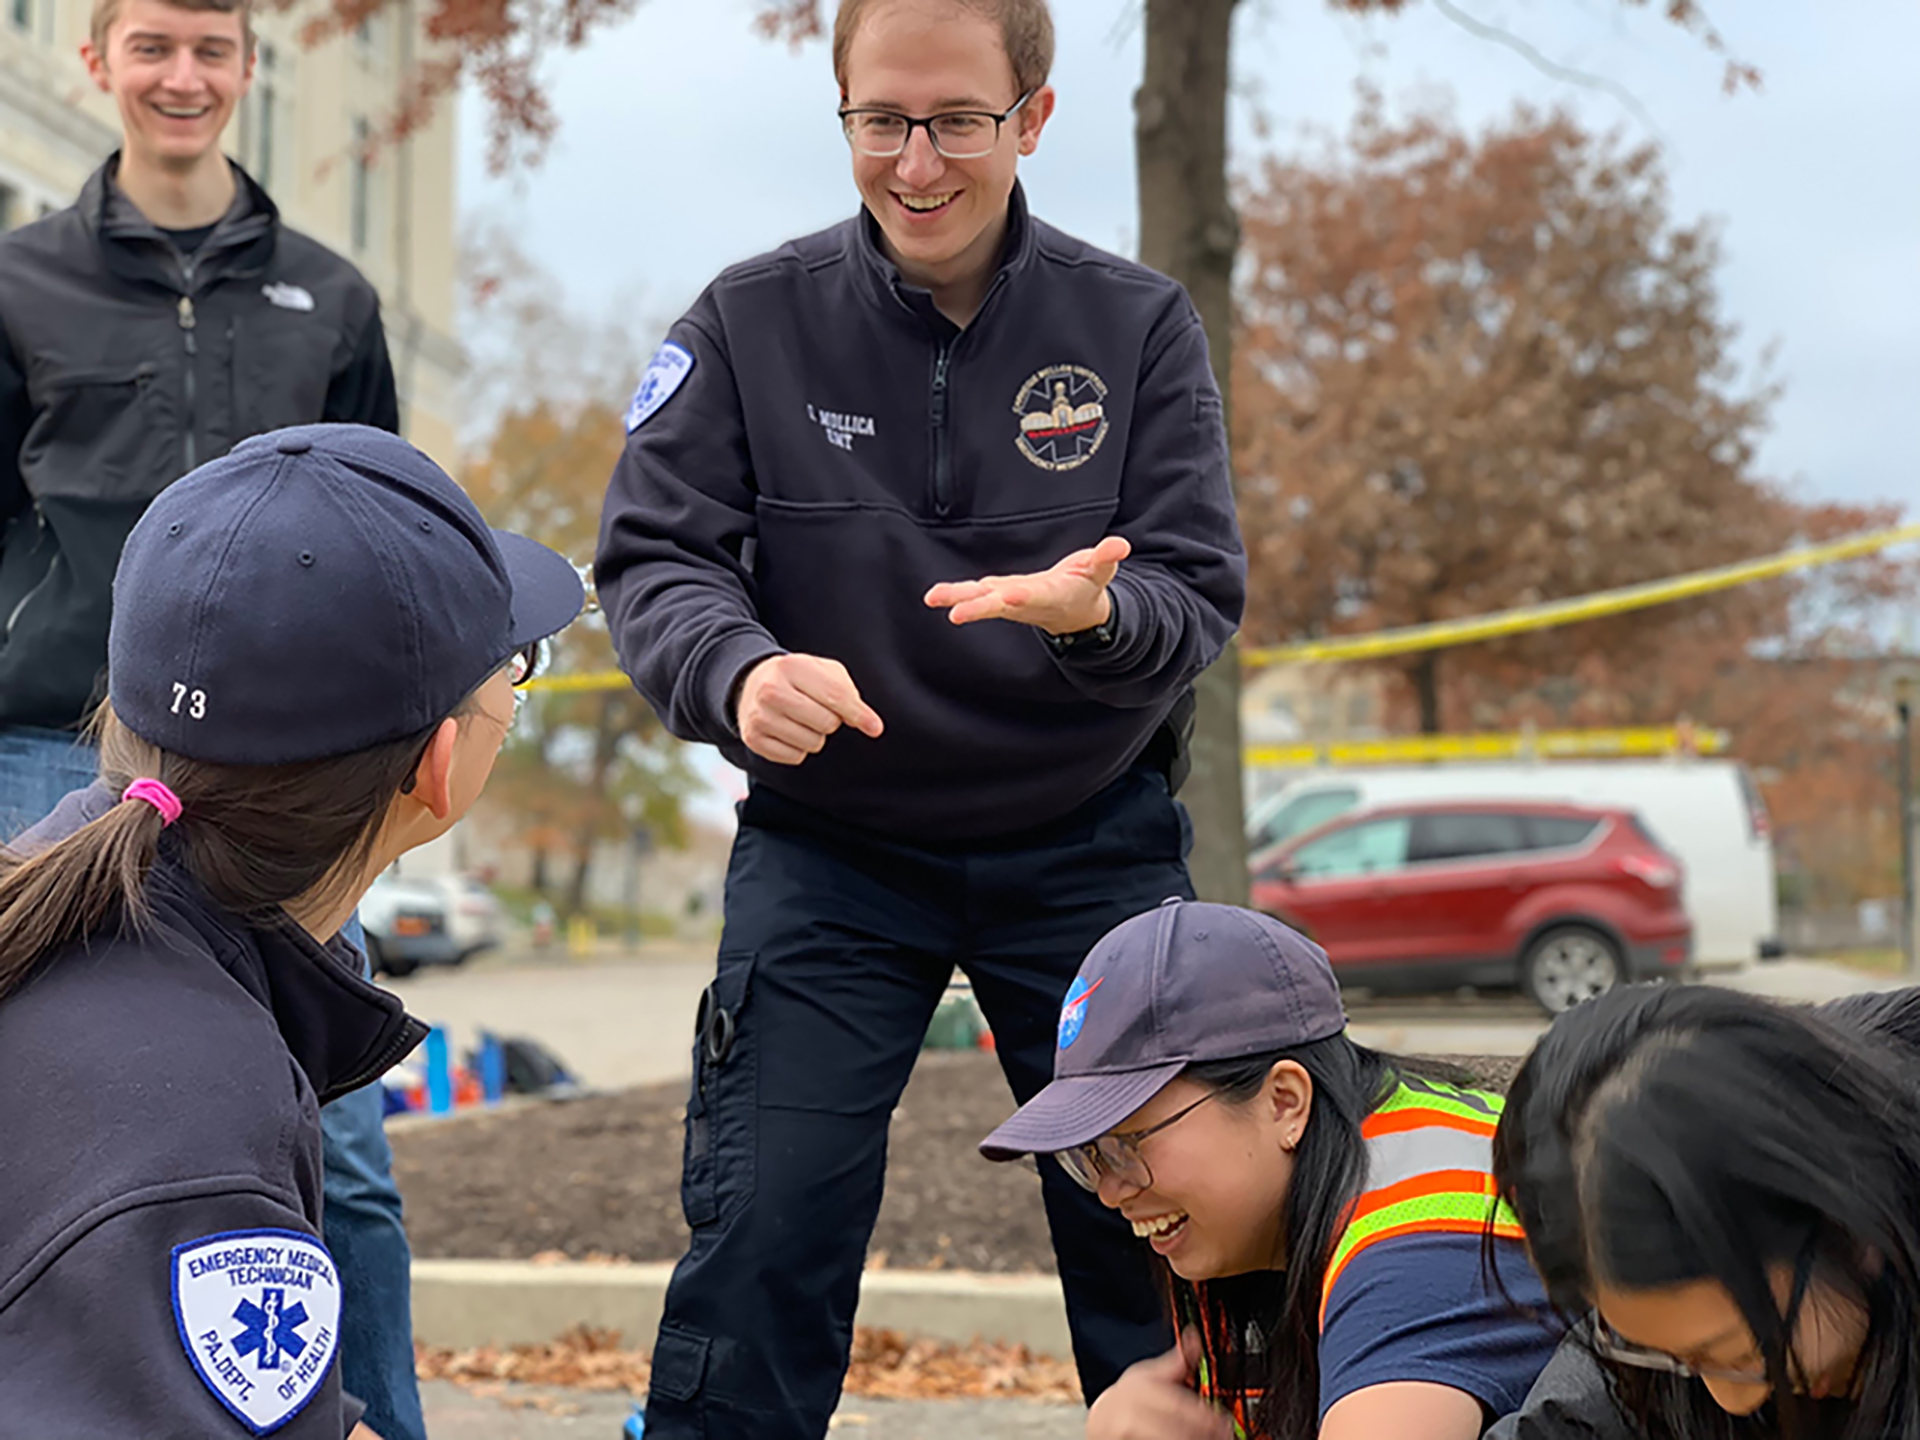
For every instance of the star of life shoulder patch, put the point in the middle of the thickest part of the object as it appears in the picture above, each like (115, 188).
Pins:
(669, 368)
(259, 1314)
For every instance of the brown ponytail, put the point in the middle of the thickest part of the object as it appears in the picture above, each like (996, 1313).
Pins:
(254, 836)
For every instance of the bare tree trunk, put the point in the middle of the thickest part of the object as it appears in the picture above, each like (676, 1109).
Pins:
(1188, 230)
(607, 734)
(1426, 680)
(577, 887)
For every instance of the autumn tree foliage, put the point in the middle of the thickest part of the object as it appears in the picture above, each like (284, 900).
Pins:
(1477, 372)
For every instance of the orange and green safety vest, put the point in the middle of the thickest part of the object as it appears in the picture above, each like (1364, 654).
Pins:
(1429, 1172)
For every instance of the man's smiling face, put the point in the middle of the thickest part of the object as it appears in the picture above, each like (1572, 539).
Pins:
(922, 58)
(176, 74)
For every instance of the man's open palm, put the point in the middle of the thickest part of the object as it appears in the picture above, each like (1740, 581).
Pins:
(1070, 597)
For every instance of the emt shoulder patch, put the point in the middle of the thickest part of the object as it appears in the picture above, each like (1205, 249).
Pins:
(669, 369)
(259, 1314)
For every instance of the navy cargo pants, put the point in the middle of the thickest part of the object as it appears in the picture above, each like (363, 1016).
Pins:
(838, 946)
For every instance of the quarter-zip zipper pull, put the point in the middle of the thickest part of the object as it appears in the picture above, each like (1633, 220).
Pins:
(190, 448)
(942, 451)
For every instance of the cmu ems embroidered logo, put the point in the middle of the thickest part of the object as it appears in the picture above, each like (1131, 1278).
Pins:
(1063, 416)
(259, 1314)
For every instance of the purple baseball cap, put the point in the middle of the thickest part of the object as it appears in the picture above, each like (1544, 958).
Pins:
(1183, 983)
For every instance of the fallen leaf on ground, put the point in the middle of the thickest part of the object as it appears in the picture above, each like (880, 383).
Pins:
(885, 1365)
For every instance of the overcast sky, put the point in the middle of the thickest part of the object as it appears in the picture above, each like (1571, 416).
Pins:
(687, 142)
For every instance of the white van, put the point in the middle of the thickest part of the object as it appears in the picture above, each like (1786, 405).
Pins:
(1707, 813)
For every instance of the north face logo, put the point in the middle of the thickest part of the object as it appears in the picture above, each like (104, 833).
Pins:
(288, 297)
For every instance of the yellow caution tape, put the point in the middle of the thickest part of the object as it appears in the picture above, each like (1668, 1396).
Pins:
(1515, 745)
(1441, 634)
(1413, 638)
(579, 684)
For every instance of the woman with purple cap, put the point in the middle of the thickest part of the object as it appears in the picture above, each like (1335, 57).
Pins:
(314, 648)
(1319, 1210)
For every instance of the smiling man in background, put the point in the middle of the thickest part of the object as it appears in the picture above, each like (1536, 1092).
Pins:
(926, 522)
(148, 328)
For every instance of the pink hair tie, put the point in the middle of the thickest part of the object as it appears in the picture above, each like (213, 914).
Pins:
(156, 795)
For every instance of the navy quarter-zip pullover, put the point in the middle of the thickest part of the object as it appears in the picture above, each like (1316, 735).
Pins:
(817, 445)
(162, 1089)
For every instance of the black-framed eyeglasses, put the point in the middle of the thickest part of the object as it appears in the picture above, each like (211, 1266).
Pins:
(956, 134)
(1118, 1154)
(526, 663)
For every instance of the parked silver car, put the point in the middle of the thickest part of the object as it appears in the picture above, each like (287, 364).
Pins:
(407, 926)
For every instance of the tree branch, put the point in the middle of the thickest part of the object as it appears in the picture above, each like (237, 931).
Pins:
(1547, 67)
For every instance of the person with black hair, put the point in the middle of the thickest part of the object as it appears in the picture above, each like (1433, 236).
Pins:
(314, 649)
(1319, 1210)
(1724, 1193)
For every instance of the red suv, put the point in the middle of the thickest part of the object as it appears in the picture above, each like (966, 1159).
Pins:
(1563, 900)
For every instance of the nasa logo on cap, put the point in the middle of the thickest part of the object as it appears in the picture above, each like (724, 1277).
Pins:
(1073, 1014)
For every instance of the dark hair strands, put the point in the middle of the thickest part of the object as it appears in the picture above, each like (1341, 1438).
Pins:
(1662, 1136)
(255, 837)
(1275, 1347)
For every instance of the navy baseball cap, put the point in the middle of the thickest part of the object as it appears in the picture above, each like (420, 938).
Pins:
(314, 592)
(1187, 982)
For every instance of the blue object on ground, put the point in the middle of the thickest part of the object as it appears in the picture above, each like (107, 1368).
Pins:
(439, 1073)
(636, 1426)
(493, 1067)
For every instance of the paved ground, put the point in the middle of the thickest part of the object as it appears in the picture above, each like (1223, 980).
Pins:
(616, 1020)
(523, 1413)
(622, 1020)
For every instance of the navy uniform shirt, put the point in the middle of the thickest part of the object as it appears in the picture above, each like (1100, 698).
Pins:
(816, 446)
(162, 1273)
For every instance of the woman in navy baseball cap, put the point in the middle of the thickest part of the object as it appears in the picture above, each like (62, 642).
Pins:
(1317, 1208)
(312, 667)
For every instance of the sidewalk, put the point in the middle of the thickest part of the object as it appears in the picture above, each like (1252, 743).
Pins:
(1812, 981)
(528, 1413)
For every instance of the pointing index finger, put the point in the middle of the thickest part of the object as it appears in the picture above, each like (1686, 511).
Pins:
(834, 688)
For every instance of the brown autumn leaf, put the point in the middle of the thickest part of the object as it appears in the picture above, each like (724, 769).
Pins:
(884, 1365)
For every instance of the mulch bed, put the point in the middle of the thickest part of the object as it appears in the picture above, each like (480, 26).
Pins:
(599, 1178)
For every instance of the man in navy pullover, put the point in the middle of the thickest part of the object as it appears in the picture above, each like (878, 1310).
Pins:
(926, 522)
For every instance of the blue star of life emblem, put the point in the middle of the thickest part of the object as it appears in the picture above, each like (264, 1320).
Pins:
(670, 366)
(272, 1327)
(258, 1314)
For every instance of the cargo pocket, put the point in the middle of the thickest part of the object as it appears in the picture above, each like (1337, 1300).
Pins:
(717, 1175)
(679, 1364)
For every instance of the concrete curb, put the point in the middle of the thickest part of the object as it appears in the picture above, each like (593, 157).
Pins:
(464, 1303)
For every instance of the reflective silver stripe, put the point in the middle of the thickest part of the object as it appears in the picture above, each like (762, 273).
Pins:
(1392, 1159)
